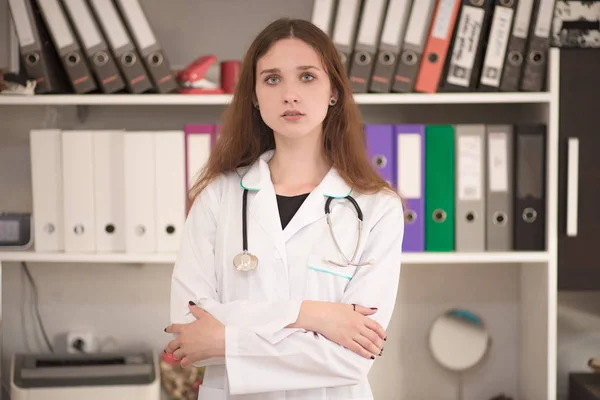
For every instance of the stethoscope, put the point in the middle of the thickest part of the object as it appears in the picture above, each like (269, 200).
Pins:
(246, 261)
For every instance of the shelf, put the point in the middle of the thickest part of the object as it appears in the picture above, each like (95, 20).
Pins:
(224, 99)
(169, 258)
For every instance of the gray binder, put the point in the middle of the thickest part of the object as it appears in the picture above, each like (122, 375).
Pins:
(344, 30)
(470, 187)
(517, 46)
(499, 194)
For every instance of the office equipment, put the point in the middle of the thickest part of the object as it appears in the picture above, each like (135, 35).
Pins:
(109, 190)
(500, 188)
(67, 46)
(47, 189)
(16, 231)
(413, 47)
(517, 47)
(37, 52)
(470, 187)
(367, 42)
(495, 54)
(538, 43)
(149, 48)
(436, 48)
(121, 46)
(169, 150)
(344, 29)
(100, 60)
(78, 191)
(439, 188)
(140, 192)
(410, 175)
(467, 45)
(381, 144)
(576, 24)
(390, 45)
(118, 376)
(192, 79)
(230, 73)
(530, 187)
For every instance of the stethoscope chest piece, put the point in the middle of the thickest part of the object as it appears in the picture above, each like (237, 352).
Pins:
(245, 261)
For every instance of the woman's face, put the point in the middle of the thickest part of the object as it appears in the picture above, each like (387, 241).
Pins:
(293, 90)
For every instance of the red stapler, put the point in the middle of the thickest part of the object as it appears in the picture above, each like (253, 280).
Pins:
(192, 78)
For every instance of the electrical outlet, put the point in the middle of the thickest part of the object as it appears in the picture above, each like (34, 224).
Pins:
(81, 342)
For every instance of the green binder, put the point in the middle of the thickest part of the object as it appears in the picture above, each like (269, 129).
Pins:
(439, 188)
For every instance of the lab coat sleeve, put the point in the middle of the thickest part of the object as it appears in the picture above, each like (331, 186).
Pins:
(307, 360)
(194, 279)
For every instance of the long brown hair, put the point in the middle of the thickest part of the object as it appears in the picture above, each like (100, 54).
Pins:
(245, 136)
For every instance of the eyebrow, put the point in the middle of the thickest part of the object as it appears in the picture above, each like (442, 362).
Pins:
(277, 70)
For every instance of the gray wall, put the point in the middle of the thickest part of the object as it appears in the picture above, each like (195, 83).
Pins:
(129, 303)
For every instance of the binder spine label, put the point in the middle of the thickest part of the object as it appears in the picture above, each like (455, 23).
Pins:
(521, 28)
(443, 18)
(469, 164)
(498, 43)
(23, 24)
(409, 149)
(498, 162)
(465, 46)
(544, 20)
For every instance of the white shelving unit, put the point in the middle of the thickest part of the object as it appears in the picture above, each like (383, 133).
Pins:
(534, 375)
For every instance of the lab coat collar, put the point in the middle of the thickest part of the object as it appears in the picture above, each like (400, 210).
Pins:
(258, 176)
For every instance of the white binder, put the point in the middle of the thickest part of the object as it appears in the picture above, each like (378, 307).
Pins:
(322, 15)
(47, 189)
(109, 190)
(78, 191)
(140, 189)
(198, 152)
(170, 189)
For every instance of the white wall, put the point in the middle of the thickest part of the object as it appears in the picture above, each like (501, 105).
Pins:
(130, 303)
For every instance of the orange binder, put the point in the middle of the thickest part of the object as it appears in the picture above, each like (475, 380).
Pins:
(438, 43)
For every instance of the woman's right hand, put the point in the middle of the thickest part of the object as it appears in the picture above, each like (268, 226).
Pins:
(352, 329)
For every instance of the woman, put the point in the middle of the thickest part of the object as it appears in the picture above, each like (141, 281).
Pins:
(288, 324)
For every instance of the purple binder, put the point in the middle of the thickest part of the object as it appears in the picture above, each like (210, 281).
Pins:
(410, 174)
(381, 149)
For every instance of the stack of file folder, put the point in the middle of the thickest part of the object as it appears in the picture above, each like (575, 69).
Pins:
(440, 45)
(101, 191)
(87, 46)
(468, 187)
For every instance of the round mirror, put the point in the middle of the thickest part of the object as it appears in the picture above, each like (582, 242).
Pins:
(458, 340)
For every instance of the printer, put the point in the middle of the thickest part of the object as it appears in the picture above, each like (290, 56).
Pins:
(96, 376)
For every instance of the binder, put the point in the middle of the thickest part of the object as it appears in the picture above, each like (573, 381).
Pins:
(109, 190)
(38, 54)
(140, 192)
(78, 191)
(121, 46)
(100, 60)
(199, 140)
(47, 189)
(436, 48)
(495, 54)
(344, 30)
(410, 175)
(499, 193)
(390, 45)
(366, 46)
(439, 188)
(380, 141)
(67, 46)
(536, 61)
(418, 25)
(169, 149)
(530, 187)
(468, 45)
(517, 46)
(470, 187)
(150, 50)
(322, 15)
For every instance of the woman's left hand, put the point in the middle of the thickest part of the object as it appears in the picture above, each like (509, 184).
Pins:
(197, 340)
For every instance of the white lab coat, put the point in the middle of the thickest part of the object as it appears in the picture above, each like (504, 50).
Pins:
(264, 360)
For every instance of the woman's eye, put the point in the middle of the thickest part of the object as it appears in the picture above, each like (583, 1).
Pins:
(307, 77)
(272, 80)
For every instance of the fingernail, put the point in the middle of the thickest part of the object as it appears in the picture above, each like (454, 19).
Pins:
(385, 338)
(165, 329)
(381, 352)
(192, 303)
(372, 357)
(373, 308)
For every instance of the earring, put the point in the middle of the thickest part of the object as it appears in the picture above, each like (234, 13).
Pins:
(332, 102)
(257, 106)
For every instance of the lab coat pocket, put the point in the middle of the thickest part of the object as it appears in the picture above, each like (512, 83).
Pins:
(326, 281)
